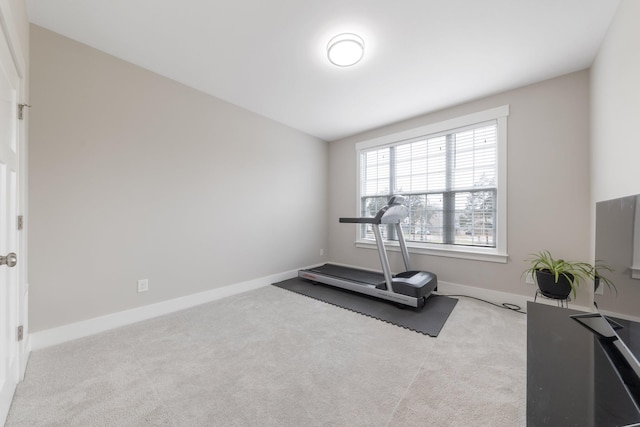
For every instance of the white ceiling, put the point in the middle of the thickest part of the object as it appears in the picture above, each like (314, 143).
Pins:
(269, 56)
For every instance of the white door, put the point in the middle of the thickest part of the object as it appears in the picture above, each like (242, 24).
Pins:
(9, 239)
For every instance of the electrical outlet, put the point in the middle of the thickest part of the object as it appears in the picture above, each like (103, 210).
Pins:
(143, 285)
(529, 279)
(321, 252)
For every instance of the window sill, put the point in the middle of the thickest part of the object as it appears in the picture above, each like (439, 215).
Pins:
(476, 254)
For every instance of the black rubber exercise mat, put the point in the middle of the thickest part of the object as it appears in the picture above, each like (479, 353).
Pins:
(429, 320)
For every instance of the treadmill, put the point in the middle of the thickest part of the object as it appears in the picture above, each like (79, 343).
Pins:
(410, 288)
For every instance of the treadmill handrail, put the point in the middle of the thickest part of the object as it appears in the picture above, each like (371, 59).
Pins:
(392, 213)
(371, 220)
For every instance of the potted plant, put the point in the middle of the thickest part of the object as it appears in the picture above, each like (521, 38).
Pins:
(557, 278)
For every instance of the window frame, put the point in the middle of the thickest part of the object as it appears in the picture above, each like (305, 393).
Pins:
(497, 254)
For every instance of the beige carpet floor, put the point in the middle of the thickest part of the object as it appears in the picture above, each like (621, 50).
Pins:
(270, 357)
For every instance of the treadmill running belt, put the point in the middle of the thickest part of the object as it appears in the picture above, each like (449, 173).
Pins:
(352, 274)
(429, 320)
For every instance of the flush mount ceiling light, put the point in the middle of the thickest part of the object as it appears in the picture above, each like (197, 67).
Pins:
(345, 50)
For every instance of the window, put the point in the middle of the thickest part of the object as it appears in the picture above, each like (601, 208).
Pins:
(453, 175)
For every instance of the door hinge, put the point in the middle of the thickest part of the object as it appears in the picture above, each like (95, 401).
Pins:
(20, 222)
(20, 332)
(21, 110)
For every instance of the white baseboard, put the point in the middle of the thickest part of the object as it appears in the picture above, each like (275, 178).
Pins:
(54, 336)
(497, 297)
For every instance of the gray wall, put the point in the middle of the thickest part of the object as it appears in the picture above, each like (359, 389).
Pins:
(548, 185)
(615, 92)
(136, 176)
(615, 100)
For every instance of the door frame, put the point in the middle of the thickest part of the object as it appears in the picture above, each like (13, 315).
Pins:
(8, 26)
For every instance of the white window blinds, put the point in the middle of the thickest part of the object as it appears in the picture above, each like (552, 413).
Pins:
(449, 179)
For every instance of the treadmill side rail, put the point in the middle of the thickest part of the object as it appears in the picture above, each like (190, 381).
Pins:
(360, 288)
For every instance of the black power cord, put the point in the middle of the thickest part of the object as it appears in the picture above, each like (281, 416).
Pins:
(505, 305)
